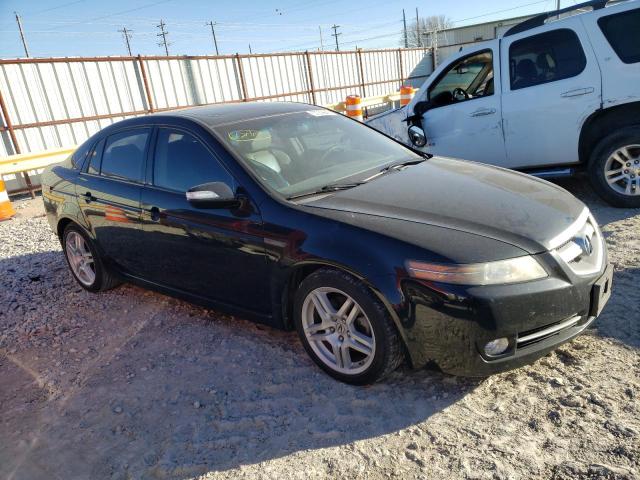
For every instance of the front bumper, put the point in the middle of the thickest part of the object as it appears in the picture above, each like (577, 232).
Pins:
(449, 325)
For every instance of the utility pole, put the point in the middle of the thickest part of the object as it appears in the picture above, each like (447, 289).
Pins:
(126, 34)
(321, 44)
(404, 22)
(250, 51)
(163, 33)
(419, 38)
(24, 42)
(335, 34)
(213, 32)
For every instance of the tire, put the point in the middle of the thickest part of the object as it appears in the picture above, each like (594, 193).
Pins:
(103, 278)
(605, 158)
(364, 321)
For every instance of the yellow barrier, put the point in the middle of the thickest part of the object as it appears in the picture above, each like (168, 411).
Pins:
(367, 102)
(27, 162)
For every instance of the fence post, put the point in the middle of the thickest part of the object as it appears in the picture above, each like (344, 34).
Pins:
(242, 82)
(14, 141)
(145, 82)
(310, 75)
(433, 59)
(363, 91)
(400, 66)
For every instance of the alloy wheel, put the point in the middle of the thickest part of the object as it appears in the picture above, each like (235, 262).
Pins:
(80, 258)
(622, 170)
(338, 330)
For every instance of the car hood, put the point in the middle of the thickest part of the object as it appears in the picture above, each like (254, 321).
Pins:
(493, 202)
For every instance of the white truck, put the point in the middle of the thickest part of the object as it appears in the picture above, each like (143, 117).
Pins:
(557, 94)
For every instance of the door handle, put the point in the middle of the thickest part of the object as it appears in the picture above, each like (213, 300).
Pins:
(155, 214)
(88, 197)
(577, 92)
(482, 112)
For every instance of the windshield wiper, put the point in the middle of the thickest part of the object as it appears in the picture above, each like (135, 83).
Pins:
(332, 187)
(398, 165)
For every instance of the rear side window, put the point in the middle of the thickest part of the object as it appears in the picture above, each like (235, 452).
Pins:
(124, 155)
(622, 31)
(78, 157)
(544, 58)
(182, 162)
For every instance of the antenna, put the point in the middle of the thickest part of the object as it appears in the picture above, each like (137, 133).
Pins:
(24, 41)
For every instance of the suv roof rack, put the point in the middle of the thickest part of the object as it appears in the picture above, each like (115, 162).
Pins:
(539, 20)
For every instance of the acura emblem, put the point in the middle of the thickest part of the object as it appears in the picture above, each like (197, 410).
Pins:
(584, 242)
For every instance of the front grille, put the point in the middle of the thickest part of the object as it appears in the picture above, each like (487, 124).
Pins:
(542, 333)
(584, 250)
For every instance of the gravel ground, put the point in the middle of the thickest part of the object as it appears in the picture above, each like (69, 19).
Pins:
(134, 384)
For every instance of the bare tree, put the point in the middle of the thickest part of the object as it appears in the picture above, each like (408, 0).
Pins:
(418, 32)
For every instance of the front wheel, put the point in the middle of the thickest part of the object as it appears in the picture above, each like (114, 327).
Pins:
(345, 329)
(614, 168)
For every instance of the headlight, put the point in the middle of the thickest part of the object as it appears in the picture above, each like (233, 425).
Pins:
(513, 270)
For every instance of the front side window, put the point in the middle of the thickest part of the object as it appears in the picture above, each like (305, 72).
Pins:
(546, 57)
(301, 152)
(182, 162)
(622, 31)
(468, 78)
(124, 155)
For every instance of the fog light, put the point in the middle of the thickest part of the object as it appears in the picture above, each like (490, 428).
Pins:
(496, 347)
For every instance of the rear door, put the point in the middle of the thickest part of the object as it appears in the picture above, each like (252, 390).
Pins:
(464, 118)
(217, 254)
(109, 195)
(551, 83)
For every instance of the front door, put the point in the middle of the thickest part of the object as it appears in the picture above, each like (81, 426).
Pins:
(216, 254)
(464, 115)
(551, 85)
(109, 195)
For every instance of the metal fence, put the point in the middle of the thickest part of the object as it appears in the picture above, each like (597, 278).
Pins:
(57, 102)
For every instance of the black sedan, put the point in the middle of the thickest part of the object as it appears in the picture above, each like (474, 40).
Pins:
(297, 217)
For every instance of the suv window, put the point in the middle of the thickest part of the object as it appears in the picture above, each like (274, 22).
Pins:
(124, 154)
(546, 57)
(622, 31)
(468, 78)
(181, 162)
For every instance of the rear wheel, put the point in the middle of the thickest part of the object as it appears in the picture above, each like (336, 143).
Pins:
(614, 168)
(345, 329)
(84, 261)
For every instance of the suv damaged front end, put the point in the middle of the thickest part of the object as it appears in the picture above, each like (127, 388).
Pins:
(479, 320)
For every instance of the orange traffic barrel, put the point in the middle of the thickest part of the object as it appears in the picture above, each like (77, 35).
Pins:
(6, 209)
(354, 107)
(406, 94)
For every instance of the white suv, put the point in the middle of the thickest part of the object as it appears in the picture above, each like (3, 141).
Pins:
(551, 97)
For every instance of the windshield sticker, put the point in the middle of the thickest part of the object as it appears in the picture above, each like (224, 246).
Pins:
(320, 113)
(247, 135)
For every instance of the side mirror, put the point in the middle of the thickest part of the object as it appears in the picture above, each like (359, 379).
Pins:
(417, 136)
(212, 195)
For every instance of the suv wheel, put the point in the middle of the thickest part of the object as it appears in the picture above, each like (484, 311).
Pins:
(614, 168)
(345, 329)
(84, 261)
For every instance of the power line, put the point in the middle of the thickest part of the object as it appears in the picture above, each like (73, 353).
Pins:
(335, 34)
(213, 32)
(126, 34)
(24, 41)
(163, 33)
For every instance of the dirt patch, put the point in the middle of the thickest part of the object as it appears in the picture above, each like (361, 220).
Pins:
(133, 384)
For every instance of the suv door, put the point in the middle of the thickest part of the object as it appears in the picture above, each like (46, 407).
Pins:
(463, 119)
(551, 84)
(108, 193)
(216, 254)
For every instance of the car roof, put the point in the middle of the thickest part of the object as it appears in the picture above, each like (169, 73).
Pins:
(215, 115)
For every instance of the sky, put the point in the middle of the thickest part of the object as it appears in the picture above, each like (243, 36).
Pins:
(91, 27)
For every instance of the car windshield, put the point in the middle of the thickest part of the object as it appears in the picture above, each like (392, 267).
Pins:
(302, 152)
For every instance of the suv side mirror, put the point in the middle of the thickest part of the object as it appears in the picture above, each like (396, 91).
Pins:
(212, 195)
(417, 136)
